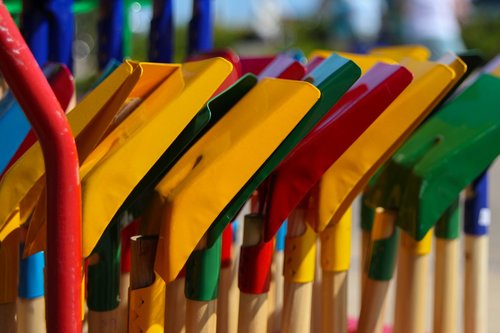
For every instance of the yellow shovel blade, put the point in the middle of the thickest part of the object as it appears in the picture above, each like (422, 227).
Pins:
(123, 158)
(24, 178)
(398, 53)
(90, 120)
(212, 172)
(364, 61)
(350, 173)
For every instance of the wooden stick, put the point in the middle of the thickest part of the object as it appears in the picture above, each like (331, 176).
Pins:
(477, 218)
(278, 281)
(334, 298)
(446, 286)
(223, 300)
(381, 268)
(253, 308)
(124, 285)
(8, 317)
(373, 320)
(335, 263)
(224, 307)
(9, 271)
(175, 306)
(104, 321)
(476, 282)
(297, 301)
(412, 283)
(447, 232)
(201, 316)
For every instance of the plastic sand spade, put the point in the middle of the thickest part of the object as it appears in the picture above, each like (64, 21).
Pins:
(295, 178)
(21, 186)
(378, 276)
(400, 52)
(476, 225)
(253, 282)
(343, 74)
(335, 240)
(223, 148)
(421, 185)
(42, 109)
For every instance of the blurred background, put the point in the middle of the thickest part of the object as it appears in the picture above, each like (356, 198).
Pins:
(254, 27)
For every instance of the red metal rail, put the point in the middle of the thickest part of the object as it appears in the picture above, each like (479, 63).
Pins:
(64, 268)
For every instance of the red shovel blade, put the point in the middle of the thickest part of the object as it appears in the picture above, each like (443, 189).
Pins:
(343, 124)
(283, 67)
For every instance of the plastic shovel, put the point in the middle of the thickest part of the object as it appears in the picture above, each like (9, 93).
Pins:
(335, 241)
(21, 185)
(344, 74)
(295, 178)
(444, 80)
(451, 137)
(224, 150)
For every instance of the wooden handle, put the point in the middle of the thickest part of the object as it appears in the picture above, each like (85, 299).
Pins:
(476, 284)
(253, 313)
(124, 285)
(201, 317)
(365, 252)
(226, 309)
(175, 306)
(371, 317)
(296, 316)
(297, 301)
(446, 286)
(276, 293)
(411, 286)
(104, 321)
(334, 298)
(31, 315)
(8, 317)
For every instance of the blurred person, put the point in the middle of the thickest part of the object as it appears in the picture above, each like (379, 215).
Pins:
(434, 24)
(267, 19)
(354, 24)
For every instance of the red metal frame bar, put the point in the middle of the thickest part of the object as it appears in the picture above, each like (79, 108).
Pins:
(64, 261)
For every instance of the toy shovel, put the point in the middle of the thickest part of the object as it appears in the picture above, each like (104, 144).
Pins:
(295, 177)
(194, 182)
(20, 186)
(426, 73)
(421, 186)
